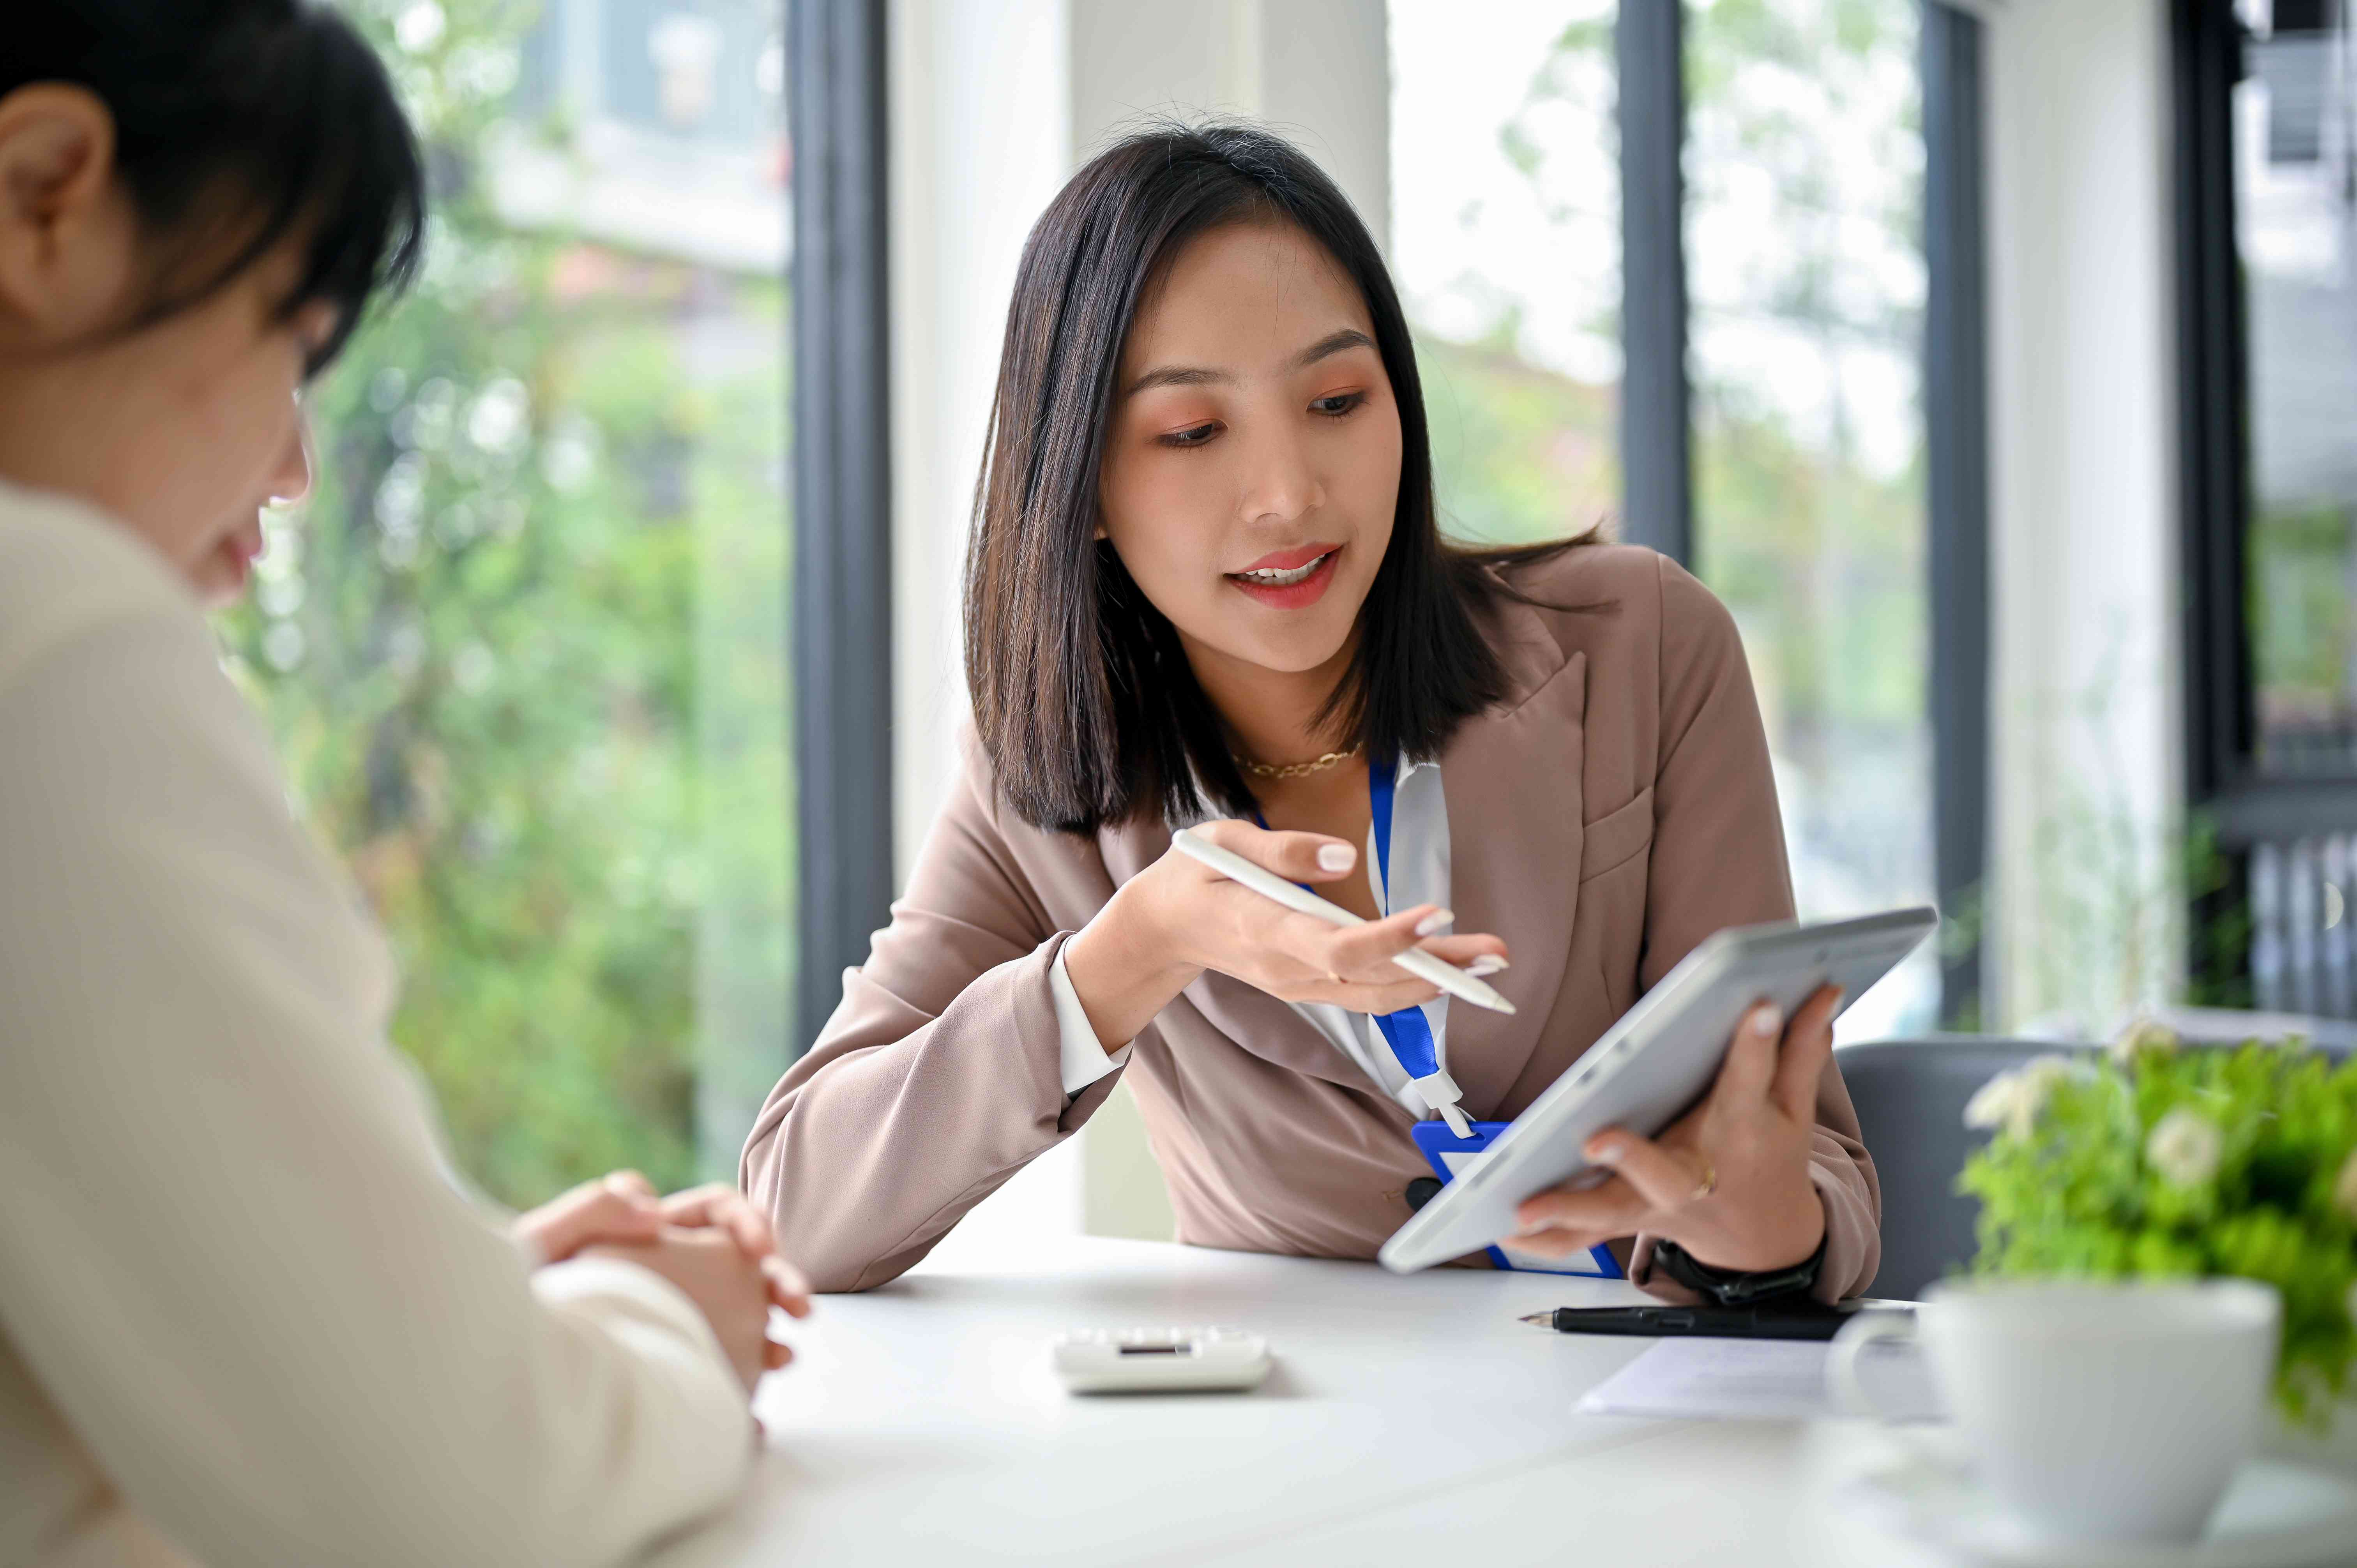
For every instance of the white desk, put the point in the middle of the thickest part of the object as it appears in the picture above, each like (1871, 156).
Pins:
(1408, 1421)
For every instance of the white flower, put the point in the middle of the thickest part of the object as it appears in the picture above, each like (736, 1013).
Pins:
(2000, 1103)
(2185, 1147)
(2344, 1187)
(2011, 1100)
(2144, 1033)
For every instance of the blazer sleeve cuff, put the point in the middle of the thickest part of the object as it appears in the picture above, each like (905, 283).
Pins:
(1085, 1057)
(1853, 1231)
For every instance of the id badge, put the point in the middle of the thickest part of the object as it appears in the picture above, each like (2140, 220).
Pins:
(1451, 1156)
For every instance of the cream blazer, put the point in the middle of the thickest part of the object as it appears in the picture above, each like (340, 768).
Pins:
(245, 1319)
(1615, 809)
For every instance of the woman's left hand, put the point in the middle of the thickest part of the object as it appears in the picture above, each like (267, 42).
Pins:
(1729, 1180)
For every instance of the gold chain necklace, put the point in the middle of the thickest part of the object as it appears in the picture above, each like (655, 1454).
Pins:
(1296, 769)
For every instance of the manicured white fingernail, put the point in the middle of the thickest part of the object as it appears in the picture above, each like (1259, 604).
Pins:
(1605, 1153)
(1337, 856)
(1431, 924)
(1766, 1019)
(1486, 963)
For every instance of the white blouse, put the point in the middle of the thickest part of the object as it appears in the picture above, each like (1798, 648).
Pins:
(246, 1317)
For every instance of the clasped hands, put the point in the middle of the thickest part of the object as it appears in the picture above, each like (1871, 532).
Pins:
(1729, 1180)
(710, 1241)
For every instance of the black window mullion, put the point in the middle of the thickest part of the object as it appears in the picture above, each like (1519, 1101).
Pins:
(1656, 464)
(1955, 412)
(2214, 499)
(842, 545)
(2213, 450)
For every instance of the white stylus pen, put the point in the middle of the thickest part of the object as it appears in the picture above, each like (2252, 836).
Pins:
(1415, 960)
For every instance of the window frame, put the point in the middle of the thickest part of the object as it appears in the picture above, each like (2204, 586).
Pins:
(2222, 780)
(1955, 413)
(841, 455)
(1656, 397)
(2254, 816)
(1657, 421)
(2213, 412)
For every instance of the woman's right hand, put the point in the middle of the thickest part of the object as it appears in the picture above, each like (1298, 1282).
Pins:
(1179, 918)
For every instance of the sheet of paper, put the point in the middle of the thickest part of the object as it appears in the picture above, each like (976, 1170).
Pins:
(1752, 1379)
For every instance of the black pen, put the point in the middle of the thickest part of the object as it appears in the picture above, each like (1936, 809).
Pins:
(1697, 1322)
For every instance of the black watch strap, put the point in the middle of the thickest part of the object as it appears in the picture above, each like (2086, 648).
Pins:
(1732, 1288)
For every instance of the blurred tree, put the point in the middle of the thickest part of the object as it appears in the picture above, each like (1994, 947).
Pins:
(1519, 447)
(1807, 175)
(478, 643)
(1804, 165)
(1519, 453)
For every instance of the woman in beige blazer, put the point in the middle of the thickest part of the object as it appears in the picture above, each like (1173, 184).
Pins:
(1206, 582)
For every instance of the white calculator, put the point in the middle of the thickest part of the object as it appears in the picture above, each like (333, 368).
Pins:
(1150, 1361)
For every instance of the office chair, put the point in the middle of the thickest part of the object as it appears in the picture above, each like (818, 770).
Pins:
(1910, 1098)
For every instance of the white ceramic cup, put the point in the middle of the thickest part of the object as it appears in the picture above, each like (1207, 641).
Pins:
(2095, 1412)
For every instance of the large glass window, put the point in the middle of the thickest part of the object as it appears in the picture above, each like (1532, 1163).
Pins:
(524, 647)
(1804, 261)
(1506, 241)
(1803, 165)
(2269, 155)
(2295, 121)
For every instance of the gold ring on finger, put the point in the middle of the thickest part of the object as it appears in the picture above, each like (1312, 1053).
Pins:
(1706, 1185)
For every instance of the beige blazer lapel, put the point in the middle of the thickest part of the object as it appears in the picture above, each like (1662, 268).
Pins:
(1514, 781)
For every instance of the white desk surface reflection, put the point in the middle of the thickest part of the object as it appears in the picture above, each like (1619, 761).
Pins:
(1407, 1420)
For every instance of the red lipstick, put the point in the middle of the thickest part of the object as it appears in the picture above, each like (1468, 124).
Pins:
(1279, 580)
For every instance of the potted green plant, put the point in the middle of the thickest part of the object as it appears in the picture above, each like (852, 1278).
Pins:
(2152, 1161)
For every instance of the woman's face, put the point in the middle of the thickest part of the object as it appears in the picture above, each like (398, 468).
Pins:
(1252, 466)
(182, 429)
(227, 435)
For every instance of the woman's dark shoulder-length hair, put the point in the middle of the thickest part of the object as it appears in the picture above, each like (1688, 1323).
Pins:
(1083, 696)
(239, 124)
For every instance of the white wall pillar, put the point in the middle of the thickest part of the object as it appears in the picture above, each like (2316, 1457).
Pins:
(2087, 750)
(1317, 71)
(980, 139)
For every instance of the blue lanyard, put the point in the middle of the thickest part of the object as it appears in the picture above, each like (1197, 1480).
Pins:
(1407, 1031)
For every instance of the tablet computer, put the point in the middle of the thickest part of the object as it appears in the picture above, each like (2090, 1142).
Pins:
(1645, 1070)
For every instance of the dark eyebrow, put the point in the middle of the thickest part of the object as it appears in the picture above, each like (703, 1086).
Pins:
(1326, 347)
(1175, 376)
(1333, 343)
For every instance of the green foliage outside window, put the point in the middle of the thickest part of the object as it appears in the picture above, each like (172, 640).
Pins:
(2303, 633)
(509, 646)
(1519, 453)
(1809, 515)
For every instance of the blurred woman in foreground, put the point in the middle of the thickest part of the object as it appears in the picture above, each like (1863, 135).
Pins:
(243, 1315)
